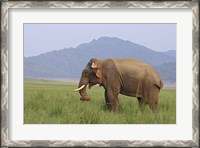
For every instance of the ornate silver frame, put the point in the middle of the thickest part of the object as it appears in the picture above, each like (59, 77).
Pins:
(5, 142)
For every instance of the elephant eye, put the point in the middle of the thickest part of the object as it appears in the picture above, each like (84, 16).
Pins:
(86, 73)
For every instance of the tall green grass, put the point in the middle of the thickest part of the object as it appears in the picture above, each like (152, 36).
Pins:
(54, 102)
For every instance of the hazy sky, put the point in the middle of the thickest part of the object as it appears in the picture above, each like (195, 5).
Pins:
(41, 38)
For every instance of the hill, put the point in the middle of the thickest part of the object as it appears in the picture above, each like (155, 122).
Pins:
(171, 53)
(167, 72)
(69, 62)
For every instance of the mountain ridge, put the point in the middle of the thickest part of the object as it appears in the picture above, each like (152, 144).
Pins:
(69, 62)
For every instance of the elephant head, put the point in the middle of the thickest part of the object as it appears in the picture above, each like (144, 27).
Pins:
(92, 75)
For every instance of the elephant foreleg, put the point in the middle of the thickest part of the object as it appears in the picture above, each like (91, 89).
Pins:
(112, 99)
(108, 103)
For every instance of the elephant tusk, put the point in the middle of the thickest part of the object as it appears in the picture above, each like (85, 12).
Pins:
(80, 88)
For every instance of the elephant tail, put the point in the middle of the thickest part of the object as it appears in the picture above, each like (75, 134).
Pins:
(160, 84)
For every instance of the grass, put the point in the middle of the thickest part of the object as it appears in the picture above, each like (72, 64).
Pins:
(54, 102)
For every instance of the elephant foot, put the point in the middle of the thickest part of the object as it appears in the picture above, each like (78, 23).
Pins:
(85, 98)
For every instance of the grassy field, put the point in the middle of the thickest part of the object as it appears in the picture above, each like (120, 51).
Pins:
(54, 102)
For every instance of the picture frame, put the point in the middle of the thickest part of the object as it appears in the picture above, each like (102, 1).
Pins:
(8, 5)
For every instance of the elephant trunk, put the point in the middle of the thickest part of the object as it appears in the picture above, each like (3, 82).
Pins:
(82, 91)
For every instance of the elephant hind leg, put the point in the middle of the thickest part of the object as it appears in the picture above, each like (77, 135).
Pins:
(141, 103)
(153, 103)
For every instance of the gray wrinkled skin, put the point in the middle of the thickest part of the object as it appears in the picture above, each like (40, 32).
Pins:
(100, 4)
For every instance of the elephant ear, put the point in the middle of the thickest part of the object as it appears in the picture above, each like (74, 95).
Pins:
(97, 69)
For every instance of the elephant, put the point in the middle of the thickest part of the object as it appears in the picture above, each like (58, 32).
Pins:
(124, 76)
